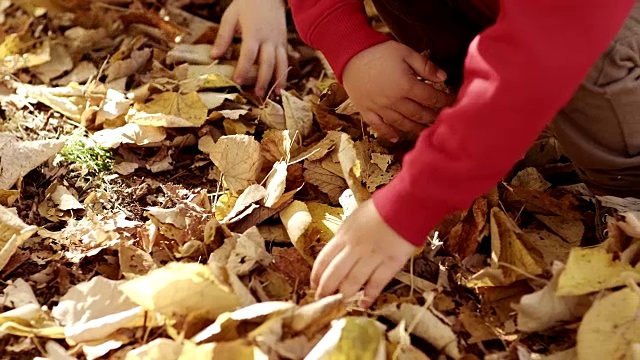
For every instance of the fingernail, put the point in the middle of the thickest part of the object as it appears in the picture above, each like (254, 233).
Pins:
(441, 75)
(238, 80)
(395, 139)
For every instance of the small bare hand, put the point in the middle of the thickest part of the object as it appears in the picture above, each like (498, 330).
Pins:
(383, 85)
(264, 40)
(365, 252)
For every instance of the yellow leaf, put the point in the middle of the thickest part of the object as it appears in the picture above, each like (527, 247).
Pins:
(8, 197)
(171, 109)
(312, 317)
(13, 232)
(179, 289)
(235, 127)
(593, 269)
(298, 115)
(512, 246)
(238, 158)
(248, 198)
(611, 329)
(30, 320)
(351, 338)
(310, 226)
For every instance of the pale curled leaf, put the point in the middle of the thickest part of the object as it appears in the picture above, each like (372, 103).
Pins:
(17, 158)
(276, 183)
(425, 325)
(129, 134)
(544, 309)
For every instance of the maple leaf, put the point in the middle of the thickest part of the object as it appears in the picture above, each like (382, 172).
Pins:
(171, 109)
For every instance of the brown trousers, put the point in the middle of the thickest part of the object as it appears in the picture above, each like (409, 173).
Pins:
(599, 129)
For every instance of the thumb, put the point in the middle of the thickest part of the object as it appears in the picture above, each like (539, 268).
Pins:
(425, 68)
(225, 35)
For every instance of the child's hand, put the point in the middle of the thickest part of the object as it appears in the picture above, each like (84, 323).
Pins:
(381, 81)
(365, 252)
(264, 40)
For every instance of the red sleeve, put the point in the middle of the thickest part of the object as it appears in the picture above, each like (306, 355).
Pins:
(518, 74)
(339, 29)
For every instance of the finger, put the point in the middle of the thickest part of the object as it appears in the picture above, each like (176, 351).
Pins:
(265, 69)
(358, 276)
(248, 54)
(327, 254)
(428, 96)
(401, 122)
(382, 129)
(425, 68)
(338, 268)
(381, 276)
(416, 112)
(225, 34)
(282, 65)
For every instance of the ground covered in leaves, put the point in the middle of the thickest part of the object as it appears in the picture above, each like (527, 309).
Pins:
(150, 208)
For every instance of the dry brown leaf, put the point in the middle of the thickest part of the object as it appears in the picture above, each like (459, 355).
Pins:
(17, 158)
(464, 238)
(326, 120)
(248, 252)
(320, 149)
(84, 71)
(571, 230)
(277, 145)
(289, 263)
(171, 109)
(60, 63)
(610, 329)
(594, 269)
(134, 261)
(424, 324)
(310, 318)
(544, 309)
(13, 232)
(124, 68)
(530, 178)
(476, 326)
(190, 53)
(328, 182)
(298, 115)
(274, 233)
(238, 158)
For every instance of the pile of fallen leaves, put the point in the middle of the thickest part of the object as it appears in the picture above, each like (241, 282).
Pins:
(150, 208)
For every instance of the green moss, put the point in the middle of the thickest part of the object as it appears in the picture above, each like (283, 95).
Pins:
(83, 152)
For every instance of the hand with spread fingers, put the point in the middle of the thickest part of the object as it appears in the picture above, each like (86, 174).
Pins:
(365, 253)
(263, 26)
(383, 85)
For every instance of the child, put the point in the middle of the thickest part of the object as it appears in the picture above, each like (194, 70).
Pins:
(516, 75)
(264, 41)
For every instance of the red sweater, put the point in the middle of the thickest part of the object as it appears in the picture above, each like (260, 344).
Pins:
(518, 74)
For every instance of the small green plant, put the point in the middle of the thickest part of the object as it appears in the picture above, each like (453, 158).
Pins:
(84, 152)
